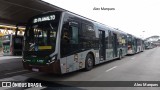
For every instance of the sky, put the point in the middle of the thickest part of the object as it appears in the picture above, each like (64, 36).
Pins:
(138, 17)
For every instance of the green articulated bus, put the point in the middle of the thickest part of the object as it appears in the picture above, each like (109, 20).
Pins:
(12, 45)
(62, 42)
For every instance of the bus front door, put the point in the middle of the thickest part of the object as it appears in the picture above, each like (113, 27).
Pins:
(102, 48)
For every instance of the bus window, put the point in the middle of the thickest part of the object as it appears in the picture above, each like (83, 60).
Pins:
(88, 37)
(74, 38)
(106, 39)
(70, 39)
(110, 40)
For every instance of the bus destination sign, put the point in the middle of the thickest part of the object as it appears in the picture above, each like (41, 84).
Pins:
(45, 18)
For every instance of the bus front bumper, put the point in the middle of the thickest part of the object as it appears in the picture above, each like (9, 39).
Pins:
(50, 68)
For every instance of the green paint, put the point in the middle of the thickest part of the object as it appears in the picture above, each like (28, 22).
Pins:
(6, 48)
(36, 60)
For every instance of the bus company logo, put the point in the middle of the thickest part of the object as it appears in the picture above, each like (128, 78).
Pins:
(6, 84)
(20, 84)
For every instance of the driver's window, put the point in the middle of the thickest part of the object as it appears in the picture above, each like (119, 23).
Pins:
(69, 38)
(74, 37)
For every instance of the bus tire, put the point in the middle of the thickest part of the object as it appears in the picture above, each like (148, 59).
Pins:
(120, 55)
(89, 62)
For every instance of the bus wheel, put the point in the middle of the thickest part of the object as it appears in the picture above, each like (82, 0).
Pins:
(120, 55)
(89, 62)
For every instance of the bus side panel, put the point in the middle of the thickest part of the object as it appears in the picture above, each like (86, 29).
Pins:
(63, 65)
(74, 62)
(97, 59)
(109, 54)
(138, 49)
(124, 51)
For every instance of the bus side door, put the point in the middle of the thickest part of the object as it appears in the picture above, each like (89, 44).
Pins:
(102, 46)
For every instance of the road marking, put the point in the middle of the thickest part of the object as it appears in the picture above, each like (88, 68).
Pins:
(5, 88)
(111, 68)
(10, 58)
(7, 79)
(15, 72)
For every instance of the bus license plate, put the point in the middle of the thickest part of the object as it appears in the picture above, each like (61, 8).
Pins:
(34, 69)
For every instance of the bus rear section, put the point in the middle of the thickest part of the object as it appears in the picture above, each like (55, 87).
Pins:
(12, 45)
(140, 45)
(17, 44)
(6, 45)
(131, 44)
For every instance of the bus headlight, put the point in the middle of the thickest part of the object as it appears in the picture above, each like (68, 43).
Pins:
(25, 60)
(51, 60)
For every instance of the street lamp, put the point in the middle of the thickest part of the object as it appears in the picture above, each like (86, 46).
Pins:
(143, 34)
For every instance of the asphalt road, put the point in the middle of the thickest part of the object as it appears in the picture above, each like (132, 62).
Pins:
(10, 66)
(144, 66)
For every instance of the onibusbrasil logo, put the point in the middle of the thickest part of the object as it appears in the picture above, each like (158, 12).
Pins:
(20, 84)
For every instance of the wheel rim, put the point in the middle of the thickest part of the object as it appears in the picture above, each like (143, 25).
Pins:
(89, 62)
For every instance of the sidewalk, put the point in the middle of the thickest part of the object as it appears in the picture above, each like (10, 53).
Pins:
(9, 57)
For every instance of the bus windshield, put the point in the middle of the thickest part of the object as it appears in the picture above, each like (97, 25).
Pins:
(41, 36)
